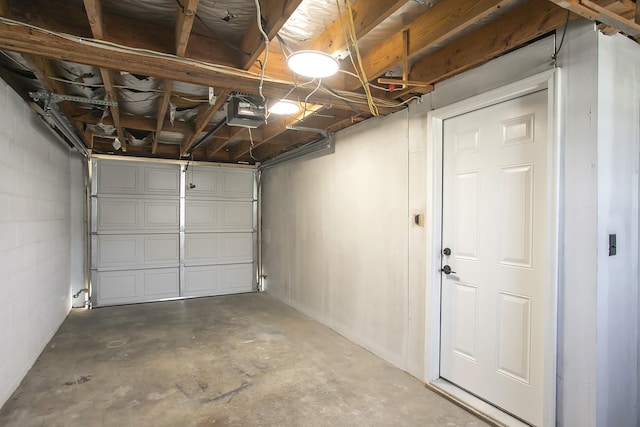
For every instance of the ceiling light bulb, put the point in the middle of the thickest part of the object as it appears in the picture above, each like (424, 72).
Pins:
(313, 63)
(284, 106)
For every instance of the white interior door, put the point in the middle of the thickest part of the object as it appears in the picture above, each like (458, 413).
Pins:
(494, 224)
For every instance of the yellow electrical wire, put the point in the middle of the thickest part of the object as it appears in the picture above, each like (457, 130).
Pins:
(360, 68)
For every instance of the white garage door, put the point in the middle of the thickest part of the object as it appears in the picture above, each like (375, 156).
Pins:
(160, 232)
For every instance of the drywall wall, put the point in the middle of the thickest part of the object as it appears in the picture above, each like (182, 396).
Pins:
(335, 235)
(34, 238)
(618, 122)
(576, 364)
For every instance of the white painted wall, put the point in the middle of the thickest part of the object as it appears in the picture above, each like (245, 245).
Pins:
(35, 190)
(578, 230)
(326, 220)
(335, 236)
(618, 122)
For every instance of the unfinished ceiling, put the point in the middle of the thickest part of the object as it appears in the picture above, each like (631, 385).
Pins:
(136, 77)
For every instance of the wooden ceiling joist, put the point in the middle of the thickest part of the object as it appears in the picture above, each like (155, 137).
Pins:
(274, 15)
(595, 12)
(66, 17)
(367, 15)
(436, 26)
(94, 14)
(521, 25)
(202, 121)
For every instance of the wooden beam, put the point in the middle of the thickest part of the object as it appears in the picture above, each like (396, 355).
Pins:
(629, 27)
(94, 14)
(521, 25)
(93, 9)
(274, 13)
(202, 120)
(367, 14)
(186, 15)
(23, 39)
(184, 22)
(163, 104)
(435, 27)
(107, 79)
(88, 137)
(66, 17)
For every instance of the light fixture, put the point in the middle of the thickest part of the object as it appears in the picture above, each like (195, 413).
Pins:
(313, 63)
(284, 106)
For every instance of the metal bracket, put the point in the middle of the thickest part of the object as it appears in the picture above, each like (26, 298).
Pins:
(322, 132)
(54, 98)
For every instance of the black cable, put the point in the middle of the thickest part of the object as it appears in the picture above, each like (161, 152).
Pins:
(564, 33)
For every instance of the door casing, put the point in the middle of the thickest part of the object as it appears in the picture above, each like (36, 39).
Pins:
(549, 80)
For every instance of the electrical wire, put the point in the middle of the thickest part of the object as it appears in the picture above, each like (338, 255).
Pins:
(564, 33)
(251, 147)
(353, 37)
(266, 49)
(306, 100)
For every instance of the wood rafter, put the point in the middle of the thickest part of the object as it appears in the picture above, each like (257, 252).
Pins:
(94, 14)
(184, 23)
(163, 105)
(28, 40)
(367, 15)
(436, 26)
(523, 24)
(65, 17)
(202, 121)
(595, 12)
(186, 14)
(274, 14)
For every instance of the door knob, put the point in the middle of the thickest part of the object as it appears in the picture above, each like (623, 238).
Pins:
(447, 270)
(446, 252)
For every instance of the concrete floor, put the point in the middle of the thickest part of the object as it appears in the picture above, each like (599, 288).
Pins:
(244, 360)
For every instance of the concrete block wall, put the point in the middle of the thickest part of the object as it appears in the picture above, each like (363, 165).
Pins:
(34, 238)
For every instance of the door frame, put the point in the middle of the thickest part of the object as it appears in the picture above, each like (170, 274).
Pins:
(549, 80)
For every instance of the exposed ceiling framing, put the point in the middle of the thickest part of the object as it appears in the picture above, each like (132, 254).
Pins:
(161, 63)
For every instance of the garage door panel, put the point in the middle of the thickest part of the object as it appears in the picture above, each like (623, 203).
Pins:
(140, 217)
(218, 279)
(209, 215)
(159, 179)
(219, 183)
(118, 250)
(236, 215)
(218, 248)
(161, 283)
(136, 251)
(123, 177)
(161, 249)
(118, 178)
(236, 277)
(132, 286)
(237, 184)
(161, 215)
(118, 214)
